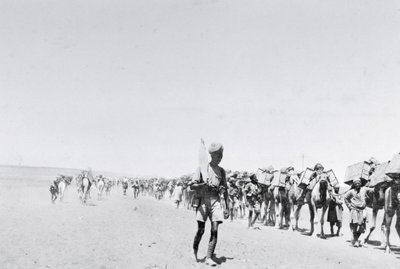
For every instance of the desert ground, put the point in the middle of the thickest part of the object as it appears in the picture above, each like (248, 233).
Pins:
(122, 232)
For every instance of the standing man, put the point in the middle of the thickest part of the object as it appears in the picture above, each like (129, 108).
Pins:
(233, 194)
(355, 201)
(335, 211)
(209, 188)
(253, 192)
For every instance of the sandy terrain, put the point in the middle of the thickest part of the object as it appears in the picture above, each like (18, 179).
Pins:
(121, 232)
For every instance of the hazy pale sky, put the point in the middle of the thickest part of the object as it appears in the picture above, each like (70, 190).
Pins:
(132, 86)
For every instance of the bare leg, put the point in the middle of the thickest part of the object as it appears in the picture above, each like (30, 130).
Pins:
(212, 244)
(197, 238)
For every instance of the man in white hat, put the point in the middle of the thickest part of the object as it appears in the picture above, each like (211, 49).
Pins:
(209, 189)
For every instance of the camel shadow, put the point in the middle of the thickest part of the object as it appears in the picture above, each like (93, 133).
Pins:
(395, 250)
(373, 243)
(302, 230)
(330, 235)
(305, 232)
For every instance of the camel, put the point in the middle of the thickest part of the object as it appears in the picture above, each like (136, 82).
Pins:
(54, 193)
(318, 197)
(392, 207)
(100, 187)
(85, 189)
(83, 186)
(283, 194)
(375, 199)
(61, 189)
(280, 192)
(108, 186)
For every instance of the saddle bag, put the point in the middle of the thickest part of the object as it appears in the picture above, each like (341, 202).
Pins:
(196, 201)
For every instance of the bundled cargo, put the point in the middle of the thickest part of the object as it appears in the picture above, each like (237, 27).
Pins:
(295, 178)
(379, 176)
(357, 171)
(279, 179)
(393, 168)
(306, 176)
(332, 178)
(265, 177)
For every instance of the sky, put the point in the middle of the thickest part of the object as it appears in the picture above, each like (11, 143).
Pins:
(132, 86)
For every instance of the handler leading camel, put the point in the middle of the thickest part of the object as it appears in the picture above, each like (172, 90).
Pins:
(208, 188)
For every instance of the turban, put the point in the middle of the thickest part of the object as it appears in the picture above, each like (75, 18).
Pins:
(214, 147)
(253, 177)
(355, 181)
(318, 166)
(290, 168)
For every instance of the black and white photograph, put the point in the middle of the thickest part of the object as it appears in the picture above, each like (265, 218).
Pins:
(199, 134)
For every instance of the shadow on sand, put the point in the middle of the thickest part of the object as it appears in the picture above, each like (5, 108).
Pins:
(218, 260)
(375, 243)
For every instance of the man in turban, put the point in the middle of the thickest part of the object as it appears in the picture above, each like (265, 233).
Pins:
(253, 192)
(355, 201)
(209, 188)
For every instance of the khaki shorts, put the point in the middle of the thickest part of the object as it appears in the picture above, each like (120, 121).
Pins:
(210, 208)
(254, 205)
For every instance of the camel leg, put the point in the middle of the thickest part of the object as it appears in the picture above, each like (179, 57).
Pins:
(322, 220)
(288, 213)
(398, 221)
(388, 221)
(374, 215)
(312, 215)
(280, 215)
(277, 212)
(292, 215)
(297, 216)
(272, 213)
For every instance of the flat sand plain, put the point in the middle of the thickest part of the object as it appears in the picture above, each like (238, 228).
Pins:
(121, 232)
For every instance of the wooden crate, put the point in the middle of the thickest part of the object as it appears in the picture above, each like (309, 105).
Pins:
(306, 176)
(379, 175)
(279, 179)
(265, 177)
(357, 171)
(332, 178)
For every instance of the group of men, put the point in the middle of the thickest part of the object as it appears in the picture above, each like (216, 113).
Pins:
(221, 197)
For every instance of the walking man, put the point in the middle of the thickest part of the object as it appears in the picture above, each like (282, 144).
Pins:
(209, 188)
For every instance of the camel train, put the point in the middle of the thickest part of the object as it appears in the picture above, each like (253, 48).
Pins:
(283, 193)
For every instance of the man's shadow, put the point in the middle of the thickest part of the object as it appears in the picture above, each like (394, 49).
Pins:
(218, 260)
